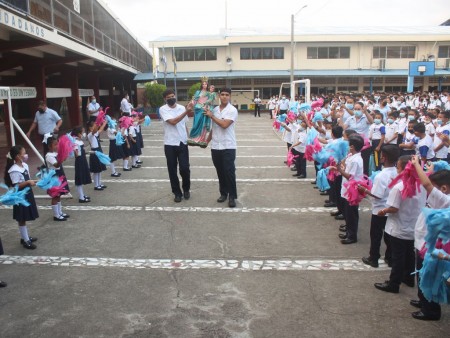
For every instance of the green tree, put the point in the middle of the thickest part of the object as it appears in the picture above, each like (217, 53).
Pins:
(193, 89)
(153, 93)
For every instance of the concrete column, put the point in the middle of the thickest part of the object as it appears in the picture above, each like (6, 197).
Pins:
(426, 83)
(70, 77)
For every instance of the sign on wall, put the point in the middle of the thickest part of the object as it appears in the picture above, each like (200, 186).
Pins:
(19, 93)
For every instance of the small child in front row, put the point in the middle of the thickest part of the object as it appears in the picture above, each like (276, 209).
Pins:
(82, 173)
(402, 216)
(298, 148)
(351, 170)
(135, 149)
(95, 165)
(115, 151)
(377, 132)
(17, 173)
(379, 194)
(52, 163)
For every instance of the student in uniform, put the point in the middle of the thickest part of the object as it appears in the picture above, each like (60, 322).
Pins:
(408, 139)
(17, 173)
(96, 167)
(52, 163)
(82, 172)
(115, 151)
(443, 127)
(377, 132)
(391, 128)
(135, 149)
(298, 148)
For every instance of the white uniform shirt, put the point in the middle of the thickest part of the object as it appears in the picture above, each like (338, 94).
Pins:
(391, 129)
(424, 147)
(376, 130)
(301, 137)
(93, 140)
(125, 106)
(436, 200)
(429, 129)
(443, 152)
(93, 107)
(354, 167)
(380, 188)
(50, 158)
(401, 224)
(174, 134)
(402, 125)
(16, 173)
(111, 133)
(224, 138)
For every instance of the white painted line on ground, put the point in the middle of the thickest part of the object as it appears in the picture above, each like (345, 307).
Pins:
(239, 180)
(209, 156)
(191, 264)
(85, 207)
(212, 167)
(239, 147)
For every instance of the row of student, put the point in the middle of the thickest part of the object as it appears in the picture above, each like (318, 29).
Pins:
(17, 171)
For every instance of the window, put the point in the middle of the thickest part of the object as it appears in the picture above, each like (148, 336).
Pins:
(196, 54)
(394, 52)
(257, 53)
(328, 52)
(444, 52)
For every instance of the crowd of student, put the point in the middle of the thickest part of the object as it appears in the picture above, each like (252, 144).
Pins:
(394, 138)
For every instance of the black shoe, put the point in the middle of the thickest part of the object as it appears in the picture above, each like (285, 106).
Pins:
(339, 217)
(99, 188)
(316, 187)
(409, 282)
(136, 166)
(116, 174)
(293, 169)
(32, 239)
(127, 169)
(186, 195)
(313, 182)
(369, 261)
(59, 219)
(422, 316)
(335, 213)
(84, 200)
(348, 241)
(342, 236)
(387, 287)
(343, 230)
(324, 193)
(177, 199)
(65, 215)
(139, 162)
(3, 284)
(103, 186)
(222, 198)
(231, 202)
(301, 176)
(327, 201)
(296, 175)
(329, 204)
(28, 245)
(415, 303)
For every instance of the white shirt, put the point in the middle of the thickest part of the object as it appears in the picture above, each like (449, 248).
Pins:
(272, 104)
(111, 133)
(50, 158)
(174, 134)
(301, 137)
(380, 188)
(125, 106)
(424, 144)
(224, 138)
(376, 130)
(93, 107)
(283, 104)
(401, 224)
(93, 140)
(402, 124)
(443, 152)
(354, 167)
(391, 130)
(16, 173)
(429, 129)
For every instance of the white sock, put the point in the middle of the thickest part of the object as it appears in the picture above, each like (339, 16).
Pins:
(80, 192)
(96, 179)
(60, 208)
(125, 164)
(113, 168)
(134, 159)
(55, 210)
(99, 179)
(24, 232)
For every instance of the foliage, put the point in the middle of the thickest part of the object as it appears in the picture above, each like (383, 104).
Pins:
(154, 94)
(193, 89)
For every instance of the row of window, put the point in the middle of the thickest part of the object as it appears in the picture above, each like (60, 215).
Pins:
(277, 53)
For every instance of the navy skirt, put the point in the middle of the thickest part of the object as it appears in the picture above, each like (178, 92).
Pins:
(94, 163)
(140, 140)
(22, 213)
(82, 173)
(115, 151)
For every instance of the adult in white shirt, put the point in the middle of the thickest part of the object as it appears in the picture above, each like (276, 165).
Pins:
(93, 109)
(174, 118)
(257, 101)
(125, 105)
(223, 146)
(272, 106)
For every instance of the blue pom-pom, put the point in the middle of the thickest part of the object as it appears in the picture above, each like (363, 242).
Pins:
(119, 139)
(317, 117)
(48, 180)
(105, 159)
(147, 121)
(373, 175)
(311, 135)
(111, 123)
(322, 181)
(14, 196)
(304, 107)
(440, 165)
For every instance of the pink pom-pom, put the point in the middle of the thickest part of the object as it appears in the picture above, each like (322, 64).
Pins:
(316, 105)
(332, 174)
(125, 122)
(366, 144)
(290, 158)
(276, 125)
(100, 118)
(58, 190)
(65, 147)
(291, 116)
(410, 179)
(312, 149)
(353, 196)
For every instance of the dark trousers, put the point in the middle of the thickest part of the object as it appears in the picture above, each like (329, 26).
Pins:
(351, 215)
(300, 162)
(257, 110)
(365, 154)
(178, 155)
(428, 308)
(376, 154)
(223, 161)
(337, 196)
(377, 225)
(403, 259)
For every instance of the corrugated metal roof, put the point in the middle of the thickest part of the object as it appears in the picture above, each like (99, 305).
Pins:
(280, 73)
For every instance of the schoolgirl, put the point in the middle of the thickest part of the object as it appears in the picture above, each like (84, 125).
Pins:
(135, 150)
(82, 174)
(139, 138)
(96, 167)
(17, 173)
(115, 151)
(52, 163)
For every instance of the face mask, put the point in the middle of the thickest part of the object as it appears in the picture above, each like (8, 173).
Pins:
(402, 114)
(358, 113)
(94, 101)
(328, 133)
(25, 158)
(283, 98)
(411, 118)
(439, 122)
(390, 121)
(171, 101)
(349, 106)
(42, 111)
(83, 135)
(301, 129)
(377, 121)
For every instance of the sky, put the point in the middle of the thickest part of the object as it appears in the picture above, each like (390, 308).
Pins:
(151, 19)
